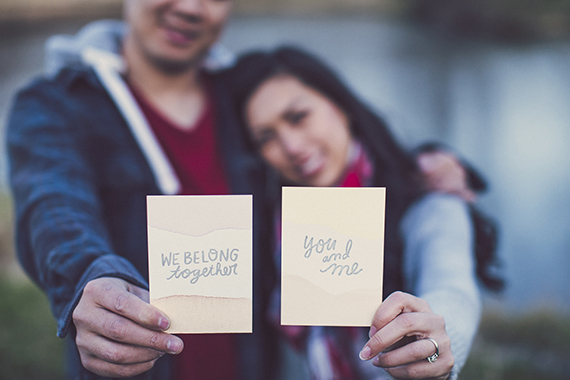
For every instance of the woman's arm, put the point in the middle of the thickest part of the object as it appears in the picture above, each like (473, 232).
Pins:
(439, 270)
(439, 267)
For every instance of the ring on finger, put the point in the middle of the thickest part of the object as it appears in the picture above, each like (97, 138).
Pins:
(435, 355)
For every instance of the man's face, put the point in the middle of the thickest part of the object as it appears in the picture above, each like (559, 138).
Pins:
(175, 35)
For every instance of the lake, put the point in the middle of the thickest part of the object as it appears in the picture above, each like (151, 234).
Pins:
(504, 107)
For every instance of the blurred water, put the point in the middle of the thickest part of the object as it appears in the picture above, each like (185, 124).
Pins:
(505, 108)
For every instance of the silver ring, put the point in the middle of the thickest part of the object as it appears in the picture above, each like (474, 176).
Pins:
(433, 357)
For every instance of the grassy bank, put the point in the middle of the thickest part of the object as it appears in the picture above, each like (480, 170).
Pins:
(535, 346)
(29, 348)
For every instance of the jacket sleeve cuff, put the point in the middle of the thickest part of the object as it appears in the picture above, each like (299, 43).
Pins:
(453, 375)
(109, 265)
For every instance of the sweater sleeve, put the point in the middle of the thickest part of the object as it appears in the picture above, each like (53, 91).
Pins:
(61, 238)
(439, 266)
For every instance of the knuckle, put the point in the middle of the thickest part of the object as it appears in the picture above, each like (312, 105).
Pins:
(449, 365)
(130, 371)
(124, 372)
(439, 320)
(448, 361)
(113, 355)
(85, 359)
(378, 341)
(385, 360)
(80, 342)
(78, 316)
(406, 320)
(446, 343)
(88, 363)
(122, 302)
(412, 372)
(424, 304)
(89, 288)
(398, 296)
(147, 314)
(155, 339)
(93, 287)
(117, 329)
(147, 366)
(417, 352)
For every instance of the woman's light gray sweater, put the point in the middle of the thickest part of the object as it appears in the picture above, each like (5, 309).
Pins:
(439, 266)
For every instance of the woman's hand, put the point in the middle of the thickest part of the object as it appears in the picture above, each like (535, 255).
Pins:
(399, 339)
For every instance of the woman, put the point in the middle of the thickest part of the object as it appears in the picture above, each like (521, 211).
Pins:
(312, 131)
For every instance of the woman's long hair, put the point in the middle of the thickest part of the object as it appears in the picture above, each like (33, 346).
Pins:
(394, 168)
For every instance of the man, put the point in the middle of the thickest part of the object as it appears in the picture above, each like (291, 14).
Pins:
(84, 155)
(86, 146)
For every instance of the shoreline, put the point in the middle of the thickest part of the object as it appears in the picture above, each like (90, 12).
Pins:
(486, 21)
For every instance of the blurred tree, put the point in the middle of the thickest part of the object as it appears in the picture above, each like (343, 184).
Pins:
(510, 20)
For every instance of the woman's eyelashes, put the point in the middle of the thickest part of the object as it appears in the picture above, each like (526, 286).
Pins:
(265, 137)
(292, 118)
(295, 117)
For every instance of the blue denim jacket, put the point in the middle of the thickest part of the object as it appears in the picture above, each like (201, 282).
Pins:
(80, 181)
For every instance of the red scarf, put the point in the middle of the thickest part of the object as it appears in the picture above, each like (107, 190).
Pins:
(327, 347)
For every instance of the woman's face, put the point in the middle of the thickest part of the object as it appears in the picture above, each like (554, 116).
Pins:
(299, 131)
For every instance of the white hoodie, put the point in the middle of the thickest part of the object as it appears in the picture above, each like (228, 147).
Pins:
(99, 46)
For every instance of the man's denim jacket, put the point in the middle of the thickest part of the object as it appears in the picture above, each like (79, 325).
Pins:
(80, 181)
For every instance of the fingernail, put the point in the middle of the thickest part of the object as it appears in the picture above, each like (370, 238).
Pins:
(173, 345)
(376, 361)
(163, 323)
(372, 331)
(365, 353)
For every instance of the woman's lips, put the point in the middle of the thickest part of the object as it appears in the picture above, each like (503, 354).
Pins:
(311, 166)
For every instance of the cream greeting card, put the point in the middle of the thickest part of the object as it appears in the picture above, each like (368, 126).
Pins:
(332, 255)
(200, 261)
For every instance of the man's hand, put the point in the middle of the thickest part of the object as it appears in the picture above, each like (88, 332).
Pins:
(118, 333)
(441, 171)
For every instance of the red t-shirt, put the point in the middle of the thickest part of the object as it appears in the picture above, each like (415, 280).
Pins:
(195, 157)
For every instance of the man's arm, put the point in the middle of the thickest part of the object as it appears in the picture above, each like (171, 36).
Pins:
(63, 242)
(60, 237)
